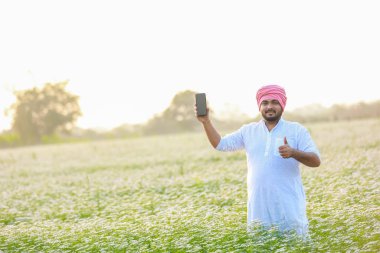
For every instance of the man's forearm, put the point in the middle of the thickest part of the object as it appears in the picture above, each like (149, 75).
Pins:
(212, 135)
(308, 158)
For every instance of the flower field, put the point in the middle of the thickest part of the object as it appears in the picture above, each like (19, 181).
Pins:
(176, 194)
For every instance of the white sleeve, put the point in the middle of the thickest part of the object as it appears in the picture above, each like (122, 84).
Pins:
(306, 143)
(231, 142)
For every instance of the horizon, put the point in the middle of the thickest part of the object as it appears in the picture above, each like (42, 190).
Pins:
(136, 56)
(233, 112)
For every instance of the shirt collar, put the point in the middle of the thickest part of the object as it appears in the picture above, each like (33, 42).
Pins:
(279, 123)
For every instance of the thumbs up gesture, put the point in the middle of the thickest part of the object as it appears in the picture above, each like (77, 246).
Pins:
(285, 150)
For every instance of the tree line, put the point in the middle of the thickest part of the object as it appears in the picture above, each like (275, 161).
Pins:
(49, 114)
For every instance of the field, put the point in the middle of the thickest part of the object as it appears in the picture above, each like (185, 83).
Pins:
(176, 194)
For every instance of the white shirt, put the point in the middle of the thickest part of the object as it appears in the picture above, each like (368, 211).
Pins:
(275, 192)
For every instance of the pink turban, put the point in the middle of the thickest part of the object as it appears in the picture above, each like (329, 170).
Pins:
(269, 92)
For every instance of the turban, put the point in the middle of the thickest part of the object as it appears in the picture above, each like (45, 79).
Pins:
(270, 92)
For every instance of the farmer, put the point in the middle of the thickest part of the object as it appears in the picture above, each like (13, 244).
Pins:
(274, 148)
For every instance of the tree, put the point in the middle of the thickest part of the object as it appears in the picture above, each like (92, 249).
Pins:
(178, 117)
(46, 111)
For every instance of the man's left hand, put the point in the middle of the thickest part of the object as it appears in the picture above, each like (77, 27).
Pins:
(285, 150)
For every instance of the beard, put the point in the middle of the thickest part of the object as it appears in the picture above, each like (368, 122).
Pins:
(272, 115)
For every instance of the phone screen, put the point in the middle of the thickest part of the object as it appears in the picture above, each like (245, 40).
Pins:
(200, 101)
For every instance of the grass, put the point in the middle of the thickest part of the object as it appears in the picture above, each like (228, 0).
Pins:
(176, 194)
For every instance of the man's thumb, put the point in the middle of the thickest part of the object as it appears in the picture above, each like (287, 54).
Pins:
(285, 141)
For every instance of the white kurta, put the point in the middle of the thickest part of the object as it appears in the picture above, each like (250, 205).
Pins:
(275, 192)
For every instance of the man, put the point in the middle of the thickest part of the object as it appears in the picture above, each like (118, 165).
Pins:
(274, 148)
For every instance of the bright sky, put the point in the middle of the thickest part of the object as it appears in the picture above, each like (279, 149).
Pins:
(127, 59)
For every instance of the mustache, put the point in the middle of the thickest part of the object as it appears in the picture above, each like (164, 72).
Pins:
(270, 111)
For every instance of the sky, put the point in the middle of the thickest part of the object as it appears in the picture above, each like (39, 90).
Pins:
(127, 59)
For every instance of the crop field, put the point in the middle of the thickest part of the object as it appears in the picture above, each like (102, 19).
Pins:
(175, 193)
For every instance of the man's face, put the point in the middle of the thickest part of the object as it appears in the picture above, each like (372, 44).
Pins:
(271, 110)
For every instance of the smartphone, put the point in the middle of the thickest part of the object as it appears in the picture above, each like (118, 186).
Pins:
(200, 101)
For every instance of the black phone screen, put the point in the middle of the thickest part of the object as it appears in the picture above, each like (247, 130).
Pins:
(200, 101)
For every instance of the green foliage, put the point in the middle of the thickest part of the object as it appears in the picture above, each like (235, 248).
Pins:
(47, 111)
(174, 193)
(9, 139)
(49, 139)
